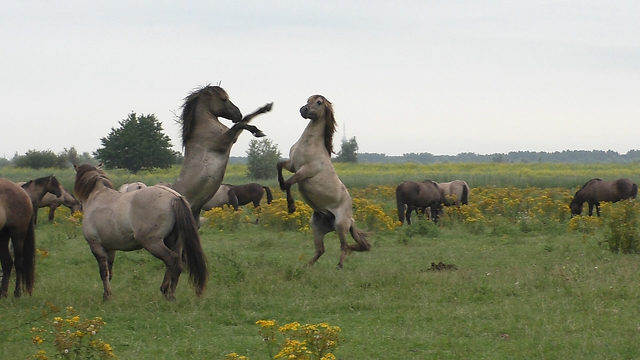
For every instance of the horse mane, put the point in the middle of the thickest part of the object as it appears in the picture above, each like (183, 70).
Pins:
(41, 181)
(188, 117)
(329, 124)
(87, 177)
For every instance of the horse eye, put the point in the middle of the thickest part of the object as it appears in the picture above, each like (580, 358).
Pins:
(319, 102)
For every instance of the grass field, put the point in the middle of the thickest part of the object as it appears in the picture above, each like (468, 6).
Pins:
(523, 286)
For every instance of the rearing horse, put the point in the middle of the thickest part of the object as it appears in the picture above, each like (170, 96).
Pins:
(208, 142)
(318, 183)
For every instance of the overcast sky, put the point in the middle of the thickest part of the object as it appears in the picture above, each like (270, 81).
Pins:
(443, 77)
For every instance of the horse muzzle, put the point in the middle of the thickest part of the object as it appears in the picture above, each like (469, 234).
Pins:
(304, 111)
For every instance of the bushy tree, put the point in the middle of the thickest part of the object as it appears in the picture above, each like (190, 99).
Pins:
(262, 158)
(348, 151)
(39, 159)
(138, 144)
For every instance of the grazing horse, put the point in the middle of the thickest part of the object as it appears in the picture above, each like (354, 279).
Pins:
(238, 195)
(455, 193)
(126, 187)
(38, 188)
(155, 218)
(595, 190)
(208, 142)
(410, 194)
(16, 224)
(318, 183)
(53, 202)
(224, 196)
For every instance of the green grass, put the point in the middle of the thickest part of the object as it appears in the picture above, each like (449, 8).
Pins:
(547, 295)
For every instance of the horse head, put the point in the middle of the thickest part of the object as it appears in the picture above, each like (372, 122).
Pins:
(317, 108)
(53, 186)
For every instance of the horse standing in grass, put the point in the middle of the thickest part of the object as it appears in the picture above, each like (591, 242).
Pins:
(16, 224)
(208, 142)
(455, 193)
(426, 194)
(155, 218)
(239, 195)
(53, 202)
(318, 183)
(38, 188)
(595, 190)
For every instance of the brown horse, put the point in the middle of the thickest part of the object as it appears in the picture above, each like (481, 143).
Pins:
(595, 190)
(318, 183)
(410, 194)
(208, 142)
(238, 195)
(16, 224)
(53, 202)
(155, 218)
(38, 188)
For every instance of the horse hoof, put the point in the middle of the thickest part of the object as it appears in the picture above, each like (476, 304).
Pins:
(259, 134)
(292, 209)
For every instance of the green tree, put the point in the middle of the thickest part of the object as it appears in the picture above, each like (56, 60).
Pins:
(39, 159)
(138, 144)
(348, 151)
(262, 158)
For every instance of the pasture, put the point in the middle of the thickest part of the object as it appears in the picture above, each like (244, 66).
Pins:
(525, 281)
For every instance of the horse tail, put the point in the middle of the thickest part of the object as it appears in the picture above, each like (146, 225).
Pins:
(269, 196)
(634, 191)
(401, 203)
(29, 258)
(187, 231)
(362, 244)
(465, 194)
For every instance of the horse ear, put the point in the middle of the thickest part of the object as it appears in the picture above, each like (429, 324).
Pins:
(99, 167)
(75, 167)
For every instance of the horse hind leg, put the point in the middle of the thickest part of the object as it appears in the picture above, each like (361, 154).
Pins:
(6, 261)
(102, 257)
(321, 225)
(172, 262)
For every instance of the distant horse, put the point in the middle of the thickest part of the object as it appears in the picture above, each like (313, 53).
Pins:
(53, 202)
(455, 193)
(426, 194)
(126, 187)
(38, 188)
(208, 142)
(595, 190)
(238, 195)
(318, 183)
(16, 213)
(156, 218)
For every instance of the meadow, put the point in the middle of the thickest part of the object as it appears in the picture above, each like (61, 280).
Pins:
(509, 276)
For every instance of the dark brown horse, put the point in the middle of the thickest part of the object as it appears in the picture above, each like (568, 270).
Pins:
(53, 202)
(16, 224)
(238, 195)
(410, 194)
(595, 190)
(38, 188)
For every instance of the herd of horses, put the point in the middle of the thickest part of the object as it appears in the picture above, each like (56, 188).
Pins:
(164, 218)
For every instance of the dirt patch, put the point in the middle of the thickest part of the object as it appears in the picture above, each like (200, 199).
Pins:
(441, 266)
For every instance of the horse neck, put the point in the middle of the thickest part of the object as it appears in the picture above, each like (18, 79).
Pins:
(36, 192)
(314, 133)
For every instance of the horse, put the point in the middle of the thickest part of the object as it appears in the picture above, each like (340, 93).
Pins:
(318, 183)
(410, 194)
(126, 187)
(239, 195)
(224, 196)
(16, 224)
(155, 218)
(38, 188)
(53, 202)
(596, 190)
(455, 193)
(207, 143)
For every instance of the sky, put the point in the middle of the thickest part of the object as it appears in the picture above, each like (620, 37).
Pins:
(443, 77)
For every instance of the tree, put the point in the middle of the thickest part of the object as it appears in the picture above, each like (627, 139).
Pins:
(40, 159)
(348, 151)
(138, 144)
(262, 158)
